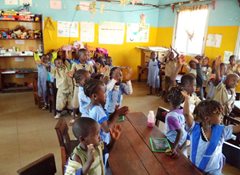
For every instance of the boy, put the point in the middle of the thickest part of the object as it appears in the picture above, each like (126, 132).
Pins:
(87, 157)
(232, 66)
(64, 85)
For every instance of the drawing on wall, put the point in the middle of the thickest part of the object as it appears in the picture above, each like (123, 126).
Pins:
(226, 56)
(21, 2)
(137, 32)
(11, 2)
(87, 31)
(214, 40)
(56, 4)
(67, 29)
(111, 33)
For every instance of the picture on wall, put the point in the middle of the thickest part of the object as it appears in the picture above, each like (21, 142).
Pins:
(87, 31)
(67, 29)
(111, 33)
(137, 33)
(214, 40)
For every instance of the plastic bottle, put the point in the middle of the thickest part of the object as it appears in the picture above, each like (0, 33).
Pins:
(150, 119)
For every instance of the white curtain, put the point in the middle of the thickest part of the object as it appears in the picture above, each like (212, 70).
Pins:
(191, 25)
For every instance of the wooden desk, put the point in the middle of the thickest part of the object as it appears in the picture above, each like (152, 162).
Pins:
(132, 153)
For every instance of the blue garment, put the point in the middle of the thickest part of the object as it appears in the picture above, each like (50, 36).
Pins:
(84, 102)
(99, 115)
(42, 81)
(200, 148)
(153, 74)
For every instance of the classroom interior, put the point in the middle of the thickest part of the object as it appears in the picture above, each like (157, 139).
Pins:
(27, 131)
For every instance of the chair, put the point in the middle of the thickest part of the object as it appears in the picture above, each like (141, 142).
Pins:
(51, 96)
(160, 116)
(43, 166)
(66, 144)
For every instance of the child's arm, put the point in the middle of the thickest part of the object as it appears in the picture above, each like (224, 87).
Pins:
(218, 75)
(186, 110)
(118, 112)
(85, 168)
(127, 87)
(115, 134)
(111, 84)
(236, 129)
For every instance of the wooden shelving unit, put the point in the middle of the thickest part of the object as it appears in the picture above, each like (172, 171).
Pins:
(17, 71)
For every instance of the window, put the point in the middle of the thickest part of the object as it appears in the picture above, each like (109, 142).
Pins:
(190, 30)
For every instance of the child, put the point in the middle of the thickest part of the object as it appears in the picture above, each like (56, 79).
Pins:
(95, 90)
(81, 77)
(42, 67)
(207, 135)
(153, 73)
(116, 88)
(102, 68)
(82, 56)
(87, 157)
(206, 69)
(175, 121)
(188, 83)
(64, 85)
(232, 66)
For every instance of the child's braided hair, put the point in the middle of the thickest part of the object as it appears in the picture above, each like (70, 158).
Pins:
(175, 96)
(91, 87)
(79, 75)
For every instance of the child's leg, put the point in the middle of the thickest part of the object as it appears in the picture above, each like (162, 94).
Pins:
(150, 90)
(60, 104)
(75, 102)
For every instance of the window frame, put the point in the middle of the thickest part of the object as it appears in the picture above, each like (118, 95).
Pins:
(204, 37)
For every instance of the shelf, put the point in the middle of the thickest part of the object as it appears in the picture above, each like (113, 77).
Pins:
(17, 89)
(21, 39)
(16, 56)
(19, 21)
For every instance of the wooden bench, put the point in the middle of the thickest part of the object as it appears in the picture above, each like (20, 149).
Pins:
(232, 154)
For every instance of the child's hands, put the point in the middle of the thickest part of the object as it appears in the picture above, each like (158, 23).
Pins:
(182, 60)
(115, 132)
(218, 61)
(90, 153)
(185, 94)
(121, 111)
(127, 74)
(172, 153)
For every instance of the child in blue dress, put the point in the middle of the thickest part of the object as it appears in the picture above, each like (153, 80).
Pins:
(175, 121)
(207, 135)
(153, 73)
(116, 88)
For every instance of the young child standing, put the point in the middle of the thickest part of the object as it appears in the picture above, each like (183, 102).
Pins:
(87, 157)
(232, 66)
(64, 85)
(175, 121)
(116, 88)
(207, 135)
(153, 80)
(83, 57)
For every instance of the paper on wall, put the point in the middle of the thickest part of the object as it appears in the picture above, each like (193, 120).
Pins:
(137, 32)
(67, 29)
(56, 4)
(214, 40)
(11, 2)
(21, 2)
(84, 5)
(111, 33)
(226, 56)
(87, 31)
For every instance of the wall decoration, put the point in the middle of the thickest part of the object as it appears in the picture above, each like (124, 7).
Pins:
(67, 29)
(11, 2)
(137, 33)
(111, 33)
(21, 2)
(55, 4)
(214, 40)
(84, 5)
(87, 31)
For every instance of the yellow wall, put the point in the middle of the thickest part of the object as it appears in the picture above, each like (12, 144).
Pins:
(165, 36)
(123, 55)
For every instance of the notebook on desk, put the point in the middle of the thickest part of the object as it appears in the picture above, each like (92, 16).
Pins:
(159, 144)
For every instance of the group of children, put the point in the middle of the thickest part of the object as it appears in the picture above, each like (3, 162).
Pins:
(200, 120)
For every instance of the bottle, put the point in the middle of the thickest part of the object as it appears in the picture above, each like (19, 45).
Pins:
(150, 119)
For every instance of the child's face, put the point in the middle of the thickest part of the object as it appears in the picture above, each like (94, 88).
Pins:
(231, 82)
(117, 75)
(153, 55)
(83, 58)
(190, 87)
(232, 61)
(94, 136)
(222, 69)
(192, 65)
(100, 96)
(87, 77)
(205, 62)
(215, 119)
(58, 63)
(171, 56)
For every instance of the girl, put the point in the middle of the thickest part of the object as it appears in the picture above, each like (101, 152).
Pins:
(207, 135)
(153, 73)
(175, 121)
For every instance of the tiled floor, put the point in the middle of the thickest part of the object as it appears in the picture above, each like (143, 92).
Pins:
(27, 132)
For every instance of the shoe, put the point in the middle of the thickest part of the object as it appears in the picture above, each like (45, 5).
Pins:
(57, 116)
(44, 107)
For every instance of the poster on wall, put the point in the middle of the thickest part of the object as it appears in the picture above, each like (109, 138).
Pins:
(226, 56)
(21, 2)
(67, 29)
(84, 5)
(55, 4)
(137, 33)
(11, 2)
(87, 31)
(214, 40)
(111, 33)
